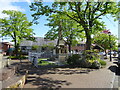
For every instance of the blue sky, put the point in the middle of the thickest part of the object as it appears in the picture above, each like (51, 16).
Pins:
(41, 29)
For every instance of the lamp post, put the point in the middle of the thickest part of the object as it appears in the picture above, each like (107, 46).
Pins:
(109, 33)
(110, 45)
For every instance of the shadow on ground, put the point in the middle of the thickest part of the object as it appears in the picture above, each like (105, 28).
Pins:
(47, 82)
(34, 75)
(54, 70)
(115, 68)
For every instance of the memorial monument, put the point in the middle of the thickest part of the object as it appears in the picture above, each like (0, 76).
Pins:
(61, 48)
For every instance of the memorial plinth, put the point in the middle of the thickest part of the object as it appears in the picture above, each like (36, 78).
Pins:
(62, 51)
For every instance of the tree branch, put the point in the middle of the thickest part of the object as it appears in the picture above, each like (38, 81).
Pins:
(97, 8)
(86, 8)
(102, 12)
(73, 18)
(99, 15)
(71, 7)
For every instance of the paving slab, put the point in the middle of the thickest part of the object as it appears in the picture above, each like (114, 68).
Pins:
(72, 78)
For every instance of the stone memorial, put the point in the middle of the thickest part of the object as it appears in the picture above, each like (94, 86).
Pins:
(33, 58)
(62, 51)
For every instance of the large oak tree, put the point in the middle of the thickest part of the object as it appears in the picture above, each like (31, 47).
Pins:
(85, 13)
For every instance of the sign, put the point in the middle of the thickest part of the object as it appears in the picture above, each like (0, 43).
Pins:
(106, 31)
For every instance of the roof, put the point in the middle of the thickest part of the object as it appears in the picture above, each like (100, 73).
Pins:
(40, 41)
(7, 43)
(78, 48)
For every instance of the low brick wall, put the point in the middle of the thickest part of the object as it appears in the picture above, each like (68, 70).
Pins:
(5, 73)
(20, 83)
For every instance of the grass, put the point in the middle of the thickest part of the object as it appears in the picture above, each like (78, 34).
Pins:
(43, 63)
(17, 57)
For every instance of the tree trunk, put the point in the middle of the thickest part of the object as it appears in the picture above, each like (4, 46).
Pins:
(88, 39)
(16, 48)
(69, 47)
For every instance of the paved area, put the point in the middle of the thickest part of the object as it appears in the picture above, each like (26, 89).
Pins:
(117, 76)
(108, 77)
(70, 77)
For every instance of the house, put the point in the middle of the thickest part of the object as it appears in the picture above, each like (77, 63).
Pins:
(79, 47)
(26, 45)
(4, 46)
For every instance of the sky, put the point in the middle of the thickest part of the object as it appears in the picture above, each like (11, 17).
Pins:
(40, 30)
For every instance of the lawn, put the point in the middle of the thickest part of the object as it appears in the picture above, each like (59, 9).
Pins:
(43, 61)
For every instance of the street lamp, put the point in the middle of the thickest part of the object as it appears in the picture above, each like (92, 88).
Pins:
(110, 44)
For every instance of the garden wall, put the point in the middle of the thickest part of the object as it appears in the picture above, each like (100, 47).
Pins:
(20, 83)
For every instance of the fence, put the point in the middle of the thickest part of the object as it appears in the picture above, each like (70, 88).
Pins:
(34, 56)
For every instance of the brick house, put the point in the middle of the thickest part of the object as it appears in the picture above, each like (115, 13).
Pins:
(79, 47)
(4, 46)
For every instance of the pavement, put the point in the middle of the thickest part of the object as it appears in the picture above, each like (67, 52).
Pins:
(71, 77)
(117, 76)
(107, 77)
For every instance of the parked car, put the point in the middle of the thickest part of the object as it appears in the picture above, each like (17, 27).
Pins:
(111, 53)
(119, 57)
(102, 53)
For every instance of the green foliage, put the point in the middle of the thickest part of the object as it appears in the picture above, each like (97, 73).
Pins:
(96, 64)
(17, 57)
(69, 29)
(102, 62)
(103, 40)
(49, 46)
(86, 14)
(118, 44)
(42, 62)
(16, 26)
(72, 60)
(35, 47)
(89, 59)
(90, 55)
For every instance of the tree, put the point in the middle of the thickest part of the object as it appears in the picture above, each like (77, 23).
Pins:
(17, 27)
(103, 40)
(69, 29)
(35, 47)
(87, 14)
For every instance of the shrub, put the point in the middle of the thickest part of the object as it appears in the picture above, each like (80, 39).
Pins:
(72, 60)
(89, 59)
(102, 62)
(96, 64)
(85, 63)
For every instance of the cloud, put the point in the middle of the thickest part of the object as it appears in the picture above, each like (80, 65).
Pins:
(7, 5)
(29, 1)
